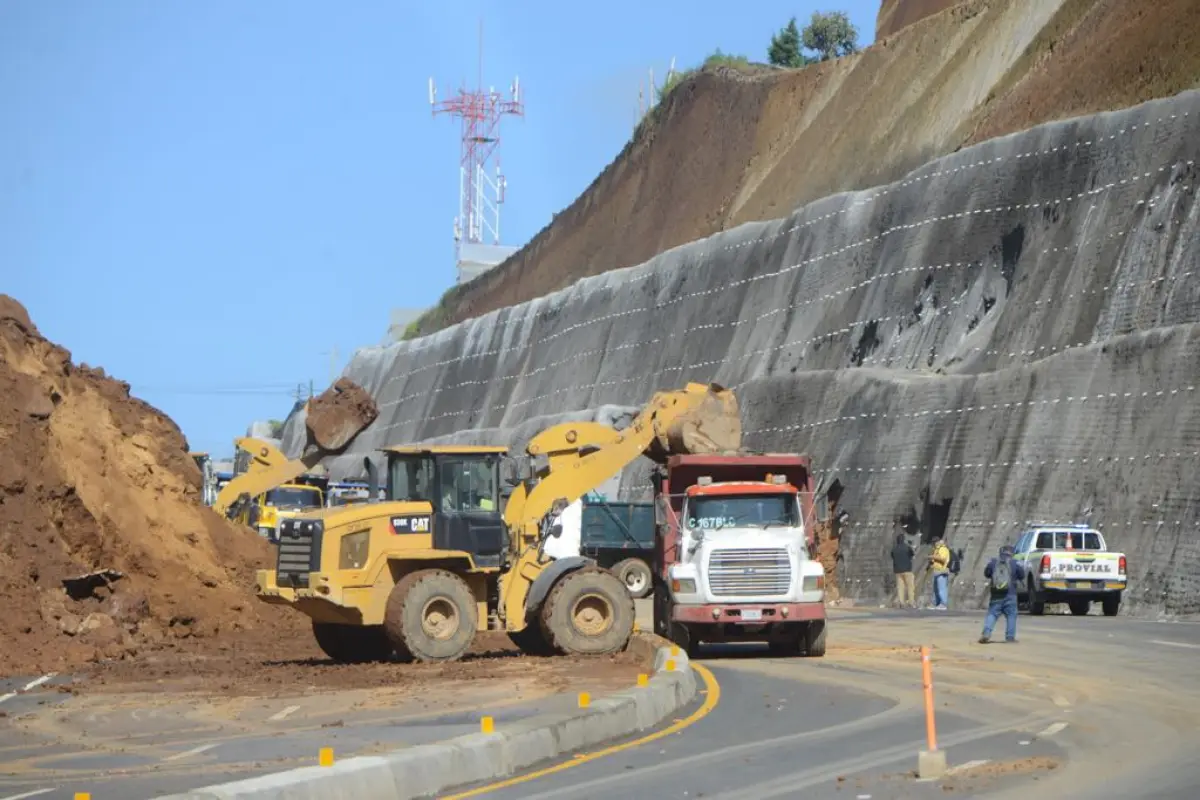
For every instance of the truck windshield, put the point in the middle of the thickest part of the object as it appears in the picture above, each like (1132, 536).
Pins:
(709, 513)
(293, 497)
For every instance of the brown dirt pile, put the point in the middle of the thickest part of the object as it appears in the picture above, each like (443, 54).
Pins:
(93, 479)
(726, 147)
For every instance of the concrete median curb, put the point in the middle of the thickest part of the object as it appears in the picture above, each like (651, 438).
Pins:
(428, 769)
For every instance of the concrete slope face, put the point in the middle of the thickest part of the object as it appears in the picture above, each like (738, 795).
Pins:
(1009, 333)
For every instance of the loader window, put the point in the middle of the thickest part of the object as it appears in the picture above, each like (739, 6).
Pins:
(410, 479)
(468, 484)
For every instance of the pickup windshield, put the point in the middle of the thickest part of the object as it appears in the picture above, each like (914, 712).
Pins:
(712, 513)
(1068, 540)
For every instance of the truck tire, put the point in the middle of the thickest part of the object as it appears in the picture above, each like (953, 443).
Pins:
(588, 612)
(531, 641)
(814, 639)
(1037, 605)
(636, 576)
(1111, 604)
(793, 645)
(431, 615)
(1080, 608)
(352, 644)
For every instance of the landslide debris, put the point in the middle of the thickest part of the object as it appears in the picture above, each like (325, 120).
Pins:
(97, 490)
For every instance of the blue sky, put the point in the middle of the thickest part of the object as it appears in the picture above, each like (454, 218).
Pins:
(207, 198)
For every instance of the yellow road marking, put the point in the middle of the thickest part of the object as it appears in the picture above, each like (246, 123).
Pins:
(712, 692)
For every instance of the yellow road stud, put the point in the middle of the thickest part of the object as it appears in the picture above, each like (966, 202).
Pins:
(325, 757)
(487, 725)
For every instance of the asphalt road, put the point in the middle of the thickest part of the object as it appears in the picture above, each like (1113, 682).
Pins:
(123, 749)
(1081, 707)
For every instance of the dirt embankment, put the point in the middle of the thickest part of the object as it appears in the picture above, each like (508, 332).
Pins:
(92, 479)
(727, 147)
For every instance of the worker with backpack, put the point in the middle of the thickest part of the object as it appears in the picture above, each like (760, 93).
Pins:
(1004, 576)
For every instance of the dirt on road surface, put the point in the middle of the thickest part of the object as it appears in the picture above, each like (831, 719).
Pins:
(278, 667)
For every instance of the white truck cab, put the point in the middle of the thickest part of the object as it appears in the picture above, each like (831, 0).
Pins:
(743, 570)
(1069, 564)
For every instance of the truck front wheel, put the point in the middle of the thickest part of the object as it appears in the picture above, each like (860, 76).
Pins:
(1111, 604)
(635, 574)
(431, 614)
(352, 644)
(814, 639)
(589, 612)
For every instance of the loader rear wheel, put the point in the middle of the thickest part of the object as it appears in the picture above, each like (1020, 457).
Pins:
(431, 614)
(588, 612)
(352, 644)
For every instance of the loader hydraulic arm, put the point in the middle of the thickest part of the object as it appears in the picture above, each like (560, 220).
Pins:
(268, 468)
(701, 418)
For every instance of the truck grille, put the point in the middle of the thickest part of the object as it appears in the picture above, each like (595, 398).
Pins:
(299, 554)
(745, 573)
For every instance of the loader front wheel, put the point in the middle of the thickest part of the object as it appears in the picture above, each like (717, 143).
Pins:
(589, 612)
(352, 644)
(431, 614)
(532, 641)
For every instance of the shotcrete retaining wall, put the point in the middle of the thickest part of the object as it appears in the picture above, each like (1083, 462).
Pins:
(1010, 333)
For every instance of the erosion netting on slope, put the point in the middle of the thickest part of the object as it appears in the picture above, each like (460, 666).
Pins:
(978, 345)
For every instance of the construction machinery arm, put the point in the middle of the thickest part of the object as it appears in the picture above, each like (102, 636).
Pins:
(701, 418)
(268, 468)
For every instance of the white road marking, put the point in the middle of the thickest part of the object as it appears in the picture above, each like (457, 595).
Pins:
(282, 715)
(38, 682)
(195, 751)
(1053, 729)
(1061, 702)
(1024, 743)
(33, 684)
(34, 793)
(1176, 644)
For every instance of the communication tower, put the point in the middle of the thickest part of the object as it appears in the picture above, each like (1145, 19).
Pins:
(479, 195)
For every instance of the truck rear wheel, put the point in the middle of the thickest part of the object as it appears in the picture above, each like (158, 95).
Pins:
(1037, 604)
(589, 612)
(352, 644)
(1080, 608)
(1111, 604)
(636, 576)
(431, 615)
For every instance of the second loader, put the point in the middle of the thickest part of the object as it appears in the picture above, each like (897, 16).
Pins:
(415, 576)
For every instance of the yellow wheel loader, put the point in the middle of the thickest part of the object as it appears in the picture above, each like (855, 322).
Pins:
(415, 576)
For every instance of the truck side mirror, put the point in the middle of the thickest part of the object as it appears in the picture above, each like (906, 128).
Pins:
(556, 530)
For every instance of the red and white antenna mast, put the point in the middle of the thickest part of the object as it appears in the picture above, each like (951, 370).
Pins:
(479, 196)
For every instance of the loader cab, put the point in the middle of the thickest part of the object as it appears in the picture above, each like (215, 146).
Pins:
(462, 484)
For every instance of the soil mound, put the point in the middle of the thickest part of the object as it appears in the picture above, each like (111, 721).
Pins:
(106, 550)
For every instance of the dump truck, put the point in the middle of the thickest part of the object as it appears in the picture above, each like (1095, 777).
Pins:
(415, 576)
(735, 555)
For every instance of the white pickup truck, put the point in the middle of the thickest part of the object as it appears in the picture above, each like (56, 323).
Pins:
(1069, 564)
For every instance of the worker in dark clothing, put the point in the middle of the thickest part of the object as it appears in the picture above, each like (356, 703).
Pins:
(902, 565)
(1004, 576)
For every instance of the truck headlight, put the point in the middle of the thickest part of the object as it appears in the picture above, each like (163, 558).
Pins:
(353, 552)
(683, 585)
(814, 583)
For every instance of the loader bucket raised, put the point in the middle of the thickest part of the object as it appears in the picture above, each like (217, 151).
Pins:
(712, 424)
(339, 414)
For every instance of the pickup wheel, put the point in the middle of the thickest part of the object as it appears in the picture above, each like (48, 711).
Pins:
(352, 644)
(588, 612)
(1080, 608)
(636, 576)
(1037, 605)
(431, 614)
(1111, 604)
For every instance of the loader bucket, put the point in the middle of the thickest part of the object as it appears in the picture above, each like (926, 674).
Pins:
(712, 425)
(339, 414)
